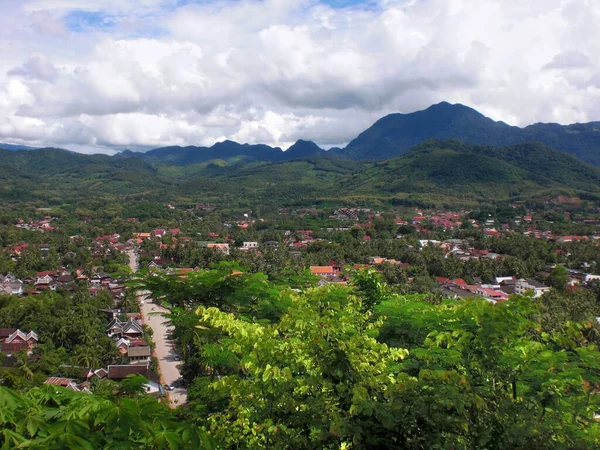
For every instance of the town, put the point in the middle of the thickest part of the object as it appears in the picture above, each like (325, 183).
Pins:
(446, 254)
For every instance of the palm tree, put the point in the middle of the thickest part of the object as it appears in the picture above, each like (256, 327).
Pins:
(88, 357)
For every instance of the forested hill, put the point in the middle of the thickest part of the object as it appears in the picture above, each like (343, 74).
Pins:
(456, 170)
(437, 173)
(229, 149)
(394, 134)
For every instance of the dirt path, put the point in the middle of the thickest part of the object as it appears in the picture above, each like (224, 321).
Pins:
(169, 367)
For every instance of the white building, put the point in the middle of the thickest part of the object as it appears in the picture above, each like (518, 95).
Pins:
(538, 288)
(249, 246)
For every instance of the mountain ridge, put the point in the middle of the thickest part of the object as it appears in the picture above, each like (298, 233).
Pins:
(396, 133)
(443, 173)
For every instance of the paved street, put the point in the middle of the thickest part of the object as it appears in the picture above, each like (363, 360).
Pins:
(169, 368)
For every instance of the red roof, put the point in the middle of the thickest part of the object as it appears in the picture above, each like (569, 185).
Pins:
(52, 273)
(58, 381)
(460, 282)
(322, 270)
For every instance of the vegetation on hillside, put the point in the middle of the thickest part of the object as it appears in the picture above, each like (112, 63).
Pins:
(435, 173)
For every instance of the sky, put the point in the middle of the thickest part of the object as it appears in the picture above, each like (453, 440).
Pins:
(106, 75)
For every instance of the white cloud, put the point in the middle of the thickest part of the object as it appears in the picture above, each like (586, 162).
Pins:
(274, 71)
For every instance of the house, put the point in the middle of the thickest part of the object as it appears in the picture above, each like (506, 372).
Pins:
(538, 288)
(426, 242)
(589, 278)
(500, 280)
(6, 332)
(98, 373)
(139, 353)
(100, 278)
(46, 279)
(67, 383)
(492, 294)
(271, 244)
(455, 293)
(246, 246)
(120, 372)
(322, 271)
(223, 248)
(304, 235)
(129, 329)
(345, 214)
(122, 345)
(18, 341)
(12, 287)
(159, 232)
(65, 279)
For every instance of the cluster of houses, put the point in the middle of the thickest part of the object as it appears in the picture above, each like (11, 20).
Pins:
(349, 214)
(40, 225)
(498, 291)
(440, 219)
(53, 280)
(117, 372)
(460, 248)
(129, 338)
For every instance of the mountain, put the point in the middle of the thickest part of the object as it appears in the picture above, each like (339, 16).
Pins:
(455, 171)
(229, 151)
(303, 149)
(14, 147)
(394, 134)
(221, 150)
(434, 173)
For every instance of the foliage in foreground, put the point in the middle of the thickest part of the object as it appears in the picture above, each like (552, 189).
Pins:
(344, 367)
(330, 374)
(56, 418)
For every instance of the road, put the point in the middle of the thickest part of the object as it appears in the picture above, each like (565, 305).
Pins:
(169, 368)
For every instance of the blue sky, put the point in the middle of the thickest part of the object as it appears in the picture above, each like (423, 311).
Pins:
(80, 20)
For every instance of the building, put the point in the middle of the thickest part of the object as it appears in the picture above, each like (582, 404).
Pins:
(223, 248)
(120, 372)
(538, 288)
(492, 294)
(322, 271)
(68, 383)
(129, 329)
(249, 246)
(18, 341)
(139, 353)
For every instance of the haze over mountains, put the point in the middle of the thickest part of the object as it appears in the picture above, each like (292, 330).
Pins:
(394, 134)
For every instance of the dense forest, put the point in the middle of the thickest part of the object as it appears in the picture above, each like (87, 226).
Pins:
(433, 174)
